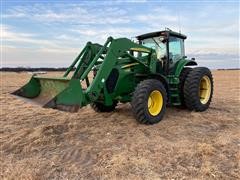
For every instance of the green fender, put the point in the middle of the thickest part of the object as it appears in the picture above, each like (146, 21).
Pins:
(180, 65)
(163, 79)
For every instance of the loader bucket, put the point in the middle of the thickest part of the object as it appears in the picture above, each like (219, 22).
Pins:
(57, 93)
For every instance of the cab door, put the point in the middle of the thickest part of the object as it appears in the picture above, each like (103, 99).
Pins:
(176, 50)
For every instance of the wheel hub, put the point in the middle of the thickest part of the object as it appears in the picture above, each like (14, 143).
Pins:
(205, 89)
(155, 102)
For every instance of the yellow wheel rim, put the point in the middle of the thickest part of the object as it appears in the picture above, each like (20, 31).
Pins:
(155, 102)
(205, 89)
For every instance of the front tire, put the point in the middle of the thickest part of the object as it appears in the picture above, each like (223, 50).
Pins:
(99, 107)
(198, 89)
(149, 101)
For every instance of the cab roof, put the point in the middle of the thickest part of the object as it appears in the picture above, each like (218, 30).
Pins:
(159, 33)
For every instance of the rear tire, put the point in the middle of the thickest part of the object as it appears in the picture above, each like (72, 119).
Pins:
(99, 107)
(149, 101)
(198, 89)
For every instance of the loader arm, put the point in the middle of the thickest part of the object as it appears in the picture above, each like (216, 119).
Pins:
(117, 48)
(67, 93)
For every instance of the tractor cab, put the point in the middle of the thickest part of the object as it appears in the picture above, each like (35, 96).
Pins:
(169, 46)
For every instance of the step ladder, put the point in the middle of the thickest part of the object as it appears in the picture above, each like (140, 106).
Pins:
(173, 90)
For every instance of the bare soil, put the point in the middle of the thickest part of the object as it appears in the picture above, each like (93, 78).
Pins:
(38, 143)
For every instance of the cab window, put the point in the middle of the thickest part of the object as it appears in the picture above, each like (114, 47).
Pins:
(176, 49)
(156, 44)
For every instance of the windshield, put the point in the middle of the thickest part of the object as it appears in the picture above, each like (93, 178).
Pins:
(156, 44)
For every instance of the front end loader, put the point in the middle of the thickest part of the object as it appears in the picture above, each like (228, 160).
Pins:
(150, 74)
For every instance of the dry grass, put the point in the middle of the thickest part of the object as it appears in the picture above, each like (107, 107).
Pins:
(39, 143)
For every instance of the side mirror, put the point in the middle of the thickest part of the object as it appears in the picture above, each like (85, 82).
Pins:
(163, 39)
(164, 58)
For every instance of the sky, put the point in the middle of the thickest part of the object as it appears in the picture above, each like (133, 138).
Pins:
(48, 33)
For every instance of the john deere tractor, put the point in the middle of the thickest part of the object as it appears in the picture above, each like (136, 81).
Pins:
(150, 74)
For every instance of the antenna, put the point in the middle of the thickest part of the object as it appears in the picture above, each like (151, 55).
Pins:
(179, 20)
(167, 29)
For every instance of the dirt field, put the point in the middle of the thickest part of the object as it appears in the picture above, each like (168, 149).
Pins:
(39, 143)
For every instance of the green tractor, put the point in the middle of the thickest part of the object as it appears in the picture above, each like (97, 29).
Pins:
(150, 74)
